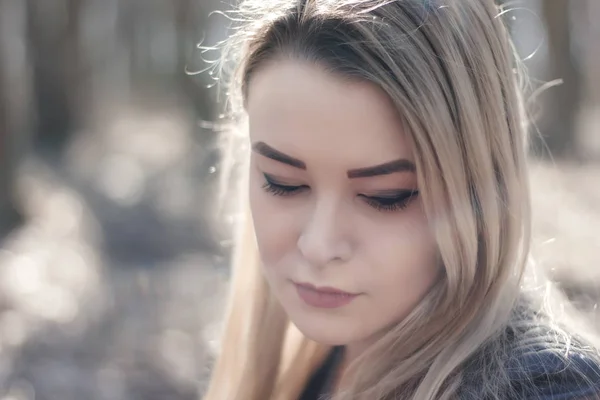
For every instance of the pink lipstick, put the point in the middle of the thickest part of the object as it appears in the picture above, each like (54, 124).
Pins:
(323, 297)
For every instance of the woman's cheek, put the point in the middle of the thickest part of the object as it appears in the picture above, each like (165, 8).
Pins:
(274, 228)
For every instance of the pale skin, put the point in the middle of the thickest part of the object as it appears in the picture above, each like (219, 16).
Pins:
(322, 216)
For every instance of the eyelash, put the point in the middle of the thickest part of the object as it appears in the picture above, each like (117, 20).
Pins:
(281, 190)
(388, 204)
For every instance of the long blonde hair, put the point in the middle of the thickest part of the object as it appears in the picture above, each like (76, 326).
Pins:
(449, 68)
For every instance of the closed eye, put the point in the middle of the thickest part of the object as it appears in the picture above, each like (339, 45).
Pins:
(395, 202)
(273, 187)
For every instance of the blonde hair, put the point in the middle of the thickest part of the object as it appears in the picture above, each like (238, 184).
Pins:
(448, 67)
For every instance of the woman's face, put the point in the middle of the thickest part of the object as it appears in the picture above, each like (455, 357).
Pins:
(341, 230)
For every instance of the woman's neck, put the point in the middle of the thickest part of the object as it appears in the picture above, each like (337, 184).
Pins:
(350, 353)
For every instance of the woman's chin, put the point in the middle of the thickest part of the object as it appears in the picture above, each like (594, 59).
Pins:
(331, 327)
(327, 331)
(325, 338)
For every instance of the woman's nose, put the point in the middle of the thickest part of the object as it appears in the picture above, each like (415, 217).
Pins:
(325, 238)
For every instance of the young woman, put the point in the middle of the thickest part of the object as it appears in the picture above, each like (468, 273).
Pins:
(388, 228)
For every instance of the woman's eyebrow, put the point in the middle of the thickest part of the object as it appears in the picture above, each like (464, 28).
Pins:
(390, 167)
(265, 150)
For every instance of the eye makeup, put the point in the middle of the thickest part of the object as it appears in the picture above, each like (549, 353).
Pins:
(395, 200)
(389, 200)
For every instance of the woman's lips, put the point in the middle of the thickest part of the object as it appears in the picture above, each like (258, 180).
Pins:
(323, 297)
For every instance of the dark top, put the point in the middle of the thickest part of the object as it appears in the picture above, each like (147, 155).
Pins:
(535, 374)
(319, 385)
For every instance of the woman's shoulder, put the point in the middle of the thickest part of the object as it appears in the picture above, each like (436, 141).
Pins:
(551, 366)
(534, 361)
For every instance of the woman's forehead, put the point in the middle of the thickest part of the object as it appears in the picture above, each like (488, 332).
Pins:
(300, 108)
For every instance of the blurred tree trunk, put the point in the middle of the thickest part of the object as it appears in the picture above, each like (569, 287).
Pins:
(6, 205)
(13, 118)
(52, 33)
(589, 116)
(561, 102)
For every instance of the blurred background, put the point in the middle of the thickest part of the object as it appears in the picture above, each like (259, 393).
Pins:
(114, 230)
